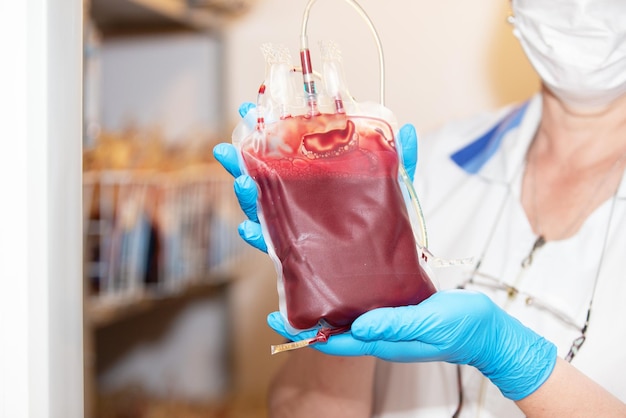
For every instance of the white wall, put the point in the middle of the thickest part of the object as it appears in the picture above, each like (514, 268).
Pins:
(444, 59)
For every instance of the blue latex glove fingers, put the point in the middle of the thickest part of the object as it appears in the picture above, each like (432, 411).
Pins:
(247, 193)
(226, 155)
(245, 108)
(408, 142)
(245, 189)
(252, 234)
(250, 230)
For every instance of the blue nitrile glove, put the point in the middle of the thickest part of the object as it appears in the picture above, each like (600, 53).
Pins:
(246, 191)
(455, 326)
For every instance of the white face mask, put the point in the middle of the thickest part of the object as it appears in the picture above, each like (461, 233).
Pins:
(578, 47)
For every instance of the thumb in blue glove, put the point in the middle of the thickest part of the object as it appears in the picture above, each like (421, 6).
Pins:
(455, 326)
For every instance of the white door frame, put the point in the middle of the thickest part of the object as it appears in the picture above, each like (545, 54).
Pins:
(41, 343)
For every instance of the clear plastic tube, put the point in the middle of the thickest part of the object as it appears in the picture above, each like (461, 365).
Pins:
(304, 43)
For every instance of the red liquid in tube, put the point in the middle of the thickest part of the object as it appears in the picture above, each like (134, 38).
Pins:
(337, 220)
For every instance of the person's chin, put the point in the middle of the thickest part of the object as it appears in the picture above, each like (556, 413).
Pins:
(580, 106)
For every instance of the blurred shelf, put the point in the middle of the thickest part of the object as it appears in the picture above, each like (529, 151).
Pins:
(102, 311)
(134, 15)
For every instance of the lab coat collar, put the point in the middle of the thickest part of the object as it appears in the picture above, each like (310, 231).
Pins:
(474, 156)
(513, 133)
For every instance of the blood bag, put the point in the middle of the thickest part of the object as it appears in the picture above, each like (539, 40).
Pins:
(335, 212)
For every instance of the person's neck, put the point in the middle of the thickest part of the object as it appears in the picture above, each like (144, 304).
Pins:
(574, 164)
(581, 136)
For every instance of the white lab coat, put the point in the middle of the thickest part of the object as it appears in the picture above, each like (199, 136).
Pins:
(463, 207)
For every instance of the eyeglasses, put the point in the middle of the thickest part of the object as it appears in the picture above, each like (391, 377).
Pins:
(480, 279)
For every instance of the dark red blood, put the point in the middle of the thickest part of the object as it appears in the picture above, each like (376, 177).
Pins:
(337, 223)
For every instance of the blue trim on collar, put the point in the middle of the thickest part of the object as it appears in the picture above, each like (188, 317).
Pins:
(474, 156)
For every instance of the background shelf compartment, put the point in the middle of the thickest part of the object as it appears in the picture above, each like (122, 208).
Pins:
(125, 15)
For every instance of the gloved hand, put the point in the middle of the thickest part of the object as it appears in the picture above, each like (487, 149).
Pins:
(455, 326)
(246, 191)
